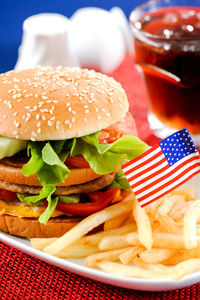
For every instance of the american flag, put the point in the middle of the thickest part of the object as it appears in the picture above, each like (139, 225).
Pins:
(163, 167)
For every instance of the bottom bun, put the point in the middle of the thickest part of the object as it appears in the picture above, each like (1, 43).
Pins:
(32, 228)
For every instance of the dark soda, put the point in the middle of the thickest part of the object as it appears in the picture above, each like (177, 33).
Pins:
(168, 52)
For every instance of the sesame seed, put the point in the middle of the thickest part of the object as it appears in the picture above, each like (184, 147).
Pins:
(69, 109)
(38, 124)
(4, 116)
(49, 123)
(70, 125)
(34, 133)
(44, 110)
(43, 118)
(39, 130)
(66, 121)
(37, 117)
(87, 111)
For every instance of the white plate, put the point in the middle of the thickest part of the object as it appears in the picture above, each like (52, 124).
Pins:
(77, 265)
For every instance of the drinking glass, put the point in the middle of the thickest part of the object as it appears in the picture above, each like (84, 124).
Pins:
(167, 52)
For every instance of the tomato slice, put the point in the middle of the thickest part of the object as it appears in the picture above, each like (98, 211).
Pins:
(77, 161)
(100, 201)
(124, 127)
(8, 195)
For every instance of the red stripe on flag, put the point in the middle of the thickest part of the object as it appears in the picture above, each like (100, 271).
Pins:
(171, 189)
(141, 156)
(145, 171)
(142, 164)
(162, 177)
(164, 185)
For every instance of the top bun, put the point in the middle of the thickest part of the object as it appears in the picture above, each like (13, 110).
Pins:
(53, 103)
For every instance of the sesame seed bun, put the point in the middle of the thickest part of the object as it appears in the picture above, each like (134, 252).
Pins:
(46, 103)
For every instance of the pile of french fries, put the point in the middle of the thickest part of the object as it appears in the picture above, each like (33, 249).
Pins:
(159, 241)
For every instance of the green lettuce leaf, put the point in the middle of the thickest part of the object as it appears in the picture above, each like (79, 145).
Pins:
(47, 190)
(35, 163)
(105, 159)
(131, 146)
(69, 199)
(120, 181)
(47, 163)
(46, 215)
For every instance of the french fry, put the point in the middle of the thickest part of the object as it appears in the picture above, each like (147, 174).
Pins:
(160, 240)
(127, 271)
(188, 192)
(156, 255)
(77, 251)
(143, 226)
(165, 206)
(113, 255)
(191, 217)
(113, 242)
(179, 209)
(152, 207)
(127, 256)
(176, 272)
(115, 222)
(95, 238)
(87, 225)
(182, 255)
(41, 243)
(169, 224)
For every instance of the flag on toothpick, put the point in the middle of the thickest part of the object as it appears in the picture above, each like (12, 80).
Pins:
(163, 167)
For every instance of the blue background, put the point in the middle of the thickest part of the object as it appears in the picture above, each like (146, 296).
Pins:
(14, 12)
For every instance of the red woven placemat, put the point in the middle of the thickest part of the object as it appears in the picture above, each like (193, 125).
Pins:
(24, 277)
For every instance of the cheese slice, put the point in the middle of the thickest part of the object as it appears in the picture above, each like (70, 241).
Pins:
(22, 210)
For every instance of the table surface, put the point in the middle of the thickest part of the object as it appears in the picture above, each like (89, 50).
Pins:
(25, 277)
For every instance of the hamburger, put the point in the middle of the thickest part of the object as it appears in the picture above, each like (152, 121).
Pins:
(64, 133)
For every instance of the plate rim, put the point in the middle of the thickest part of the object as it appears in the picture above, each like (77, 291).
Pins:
(72, 265)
